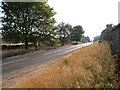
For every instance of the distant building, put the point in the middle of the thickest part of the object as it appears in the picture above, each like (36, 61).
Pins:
(116, 39)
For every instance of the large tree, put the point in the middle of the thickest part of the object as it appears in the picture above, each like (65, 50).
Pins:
(77, 33)
(27, 21)
(64, 32)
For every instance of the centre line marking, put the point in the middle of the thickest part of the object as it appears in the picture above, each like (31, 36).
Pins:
(15, 61)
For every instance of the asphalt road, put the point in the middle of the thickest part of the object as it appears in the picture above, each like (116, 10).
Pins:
(20, 62)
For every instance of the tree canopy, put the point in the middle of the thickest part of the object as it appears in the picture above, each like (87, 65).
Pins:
(33, 22)
(106, 34)
(64, 32)
(85, 39)
(77, 33)
(27, 22)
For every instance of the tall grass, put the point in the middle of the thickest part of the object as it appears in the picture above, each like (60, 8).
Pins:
(90, 67)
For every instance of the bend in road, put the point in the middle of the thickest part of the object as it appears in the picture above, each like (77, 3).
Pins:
(23, 61)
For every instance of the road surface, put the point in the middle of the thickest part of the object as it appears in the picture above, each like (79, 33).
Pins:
(20, 62)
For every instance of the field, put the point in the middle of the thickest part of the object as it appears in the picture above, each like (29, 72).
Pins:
(15, 49)
(90, 67)
(19, 51)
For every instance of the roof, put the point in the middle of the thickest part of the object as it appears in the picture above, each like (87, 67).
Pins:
(116, 27)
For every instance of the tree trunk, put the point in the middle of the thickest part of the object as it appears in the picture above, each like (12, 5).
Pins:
(76, 42)
(26, 44)
(62, 41)
(62, 44)
(36, 47)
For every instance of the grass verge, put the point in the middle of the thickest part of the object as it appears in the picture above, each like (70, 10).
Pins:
(90, 67)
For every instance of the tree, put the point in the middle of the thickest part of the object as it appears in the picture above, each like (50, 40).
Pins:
(85, 39)
(21, 21)
(64, 32)
(88, 39)
(97, 38)
(77, 33)
(106, 34)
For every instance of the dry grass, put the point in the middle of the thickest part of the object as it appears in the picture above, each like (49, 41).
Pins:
(89, 67)
(13, 52)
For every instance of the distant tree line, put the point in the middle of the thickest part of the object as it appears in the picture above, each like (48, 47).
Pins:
(33, 22)
(97, 38)
(85, 39)
(67, 33)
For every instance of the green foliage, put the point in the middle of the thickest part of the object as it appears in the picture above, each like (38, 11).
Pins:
(106, 34)
(64, 32)
(85, 39)
(77, 33)
(97, 38)
(88, 38)
(27, 22)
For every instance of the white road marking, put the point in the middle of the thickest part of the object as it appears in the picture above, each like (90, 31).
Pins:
(13, 57)
(66, 49)
(15, 61)
(48, 53)
(52, 52)
(73, 49)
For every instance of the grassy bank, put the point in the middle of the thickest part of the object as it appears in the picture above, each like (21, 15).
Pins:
(89, 67)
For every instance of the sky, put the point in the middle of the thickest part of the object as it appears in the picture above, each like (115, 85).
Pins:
(92, 15)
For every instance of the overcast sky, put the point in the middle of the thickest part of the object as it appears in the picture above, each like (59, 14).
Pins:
(93, 15)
